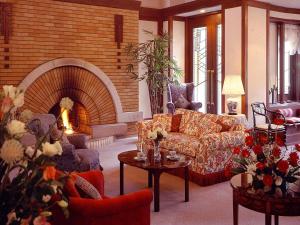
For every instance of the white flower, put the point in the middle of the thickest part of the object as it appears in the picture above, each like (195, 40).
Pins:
(30, 152)
(152, 135)
(12, 151)
(278, 181)
(46, 198)
(66, 103)
(251, 169)
(164, 133)
(62, 204)
(52, 149)
(16, 128)
(26, 115)
(15, 94)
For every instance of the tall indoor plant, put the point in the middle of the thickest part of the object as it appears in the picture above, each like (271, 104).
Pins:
(155, 62)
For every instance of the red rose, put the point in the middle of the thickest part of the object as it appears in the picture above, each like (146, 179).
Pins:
(278, 121)
(276, 152)
(245, 153)
(297, 146)
(236, 150)
(263, 139)
(260, 165)
(49, 173)
(279, 141)
(294, 158)
(283, 166)
(249, 141)
(257, 149)
(268, 180)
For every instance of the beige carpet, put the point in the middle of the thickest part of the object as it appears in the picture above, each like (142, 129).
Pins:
(208, 205)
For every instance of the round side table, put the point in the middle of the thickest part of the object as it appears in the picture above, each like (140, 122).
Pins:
(288, 205)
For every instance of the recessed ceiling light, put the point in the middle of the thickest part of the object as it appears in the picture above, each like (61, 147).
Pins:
(202, 11)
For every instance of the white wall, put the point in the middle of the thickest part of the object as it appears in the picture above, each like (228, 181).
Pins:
(257, 55)
(144, 100)
(179, 44)
(233, 44)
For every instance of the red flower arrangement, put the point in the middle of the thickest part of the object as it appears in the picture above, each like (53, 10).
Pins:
(272, 167)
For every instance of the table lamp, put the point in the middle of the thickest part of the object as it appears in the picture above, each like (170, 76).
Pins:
(233, 87)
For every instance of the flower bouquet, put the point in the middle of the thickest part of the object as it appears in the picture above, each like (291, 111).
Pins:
(30, 186)
(157, 136)
(271, 165)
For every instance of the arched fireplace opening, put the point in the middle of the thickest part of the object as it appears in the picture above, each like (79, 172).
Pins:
(75, 121)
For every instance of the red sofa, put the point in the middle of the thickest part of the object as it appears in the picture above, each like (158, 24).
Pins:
(131, 209)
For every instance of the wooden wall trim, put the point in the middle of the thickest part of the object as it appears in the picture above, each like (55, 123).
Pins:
(150, 14)
(187, 52)
(120, 4)
(245, 57)
(280, 20)
(190, 6)
(267, 56)
(223, 56)
(281, 31)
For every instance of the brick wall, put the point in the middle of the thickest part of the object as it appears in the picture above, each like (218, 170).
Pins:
(43, 30)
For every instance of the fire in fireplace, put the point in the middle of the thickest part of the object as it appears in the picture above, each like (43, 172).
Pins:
(75, 121)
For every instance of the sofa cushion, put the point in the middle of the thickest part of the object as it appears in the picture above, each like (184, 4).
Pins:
(292, 120)
(181, 143)
(163, 121)
(202, 128)
(226, 122)
(287, 112)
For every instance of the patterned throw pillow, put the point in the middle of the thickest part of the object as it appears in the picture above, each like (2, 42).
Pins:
(226, 122)
(176, 119)
(86, 188)
(189, 120)
(163, 121)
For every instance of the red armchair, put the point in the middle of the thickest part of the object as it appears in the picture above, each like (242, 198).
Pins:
(131, 209)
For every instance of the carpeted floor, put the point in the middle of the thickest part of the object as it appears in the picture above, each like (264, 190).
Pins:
(208, 205)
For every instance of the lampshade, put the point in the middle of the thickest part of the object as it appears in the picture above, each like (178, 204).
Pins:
(233, 85)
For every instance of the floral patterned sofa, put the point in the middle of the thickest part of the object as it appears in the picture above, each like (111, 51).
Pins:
(207, 138)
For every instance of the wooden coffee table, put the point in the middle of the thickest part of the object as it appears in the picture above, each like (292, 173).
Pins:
(154, 171)
(288, 205)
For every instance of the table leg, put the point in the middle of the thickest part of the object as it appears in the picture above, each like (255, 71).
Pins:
(150, 179)
(156, 191)
(235, 209)
(268, 219)
(121, 178)
(276, 220)
(186, 181)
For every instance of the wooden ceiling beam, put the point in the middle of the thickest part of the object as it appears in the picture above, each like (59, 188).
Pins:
(120, 4)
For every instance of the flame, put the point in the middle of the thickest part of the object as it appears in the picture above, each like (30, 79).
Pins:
(66, 123)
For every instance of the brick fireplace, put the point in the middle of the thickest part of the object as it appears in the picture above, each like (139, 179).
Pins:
(58, 49)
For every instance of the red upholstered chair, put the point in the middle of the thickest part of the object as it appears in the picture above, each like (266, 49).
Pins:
(130, 209)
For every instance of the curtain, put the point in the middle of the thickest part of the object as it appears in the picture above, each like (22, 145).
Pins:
(292, 39)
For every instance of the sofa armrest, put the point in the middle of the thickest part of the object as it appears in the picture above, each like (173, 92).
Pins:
(171, 107)
(143, 127)
(195, 106)
(111, 207)
(78, 140)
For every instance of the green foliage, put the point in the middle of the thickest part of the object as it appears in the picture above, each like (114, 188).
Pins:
(153, 57)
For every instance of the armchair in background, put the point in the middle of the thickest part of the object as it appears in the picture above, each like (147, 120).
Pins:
(181, 96)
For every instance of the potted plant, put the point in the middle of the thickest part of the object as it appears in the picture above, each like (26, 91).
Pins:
(153, 55)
